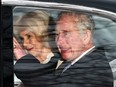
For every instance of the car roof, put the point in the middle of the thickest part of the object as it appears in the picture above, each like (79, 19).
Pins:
(104, 8)
(101, 4)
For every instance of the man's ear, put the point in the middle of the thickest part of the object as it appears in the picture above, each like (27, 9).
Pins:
(87, 37)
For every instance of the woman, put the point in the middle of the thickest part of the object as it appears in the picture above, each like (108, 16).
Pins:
(35, 65)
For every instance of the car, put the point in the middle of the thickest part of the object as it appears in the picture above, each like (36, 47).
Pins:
(102, 11)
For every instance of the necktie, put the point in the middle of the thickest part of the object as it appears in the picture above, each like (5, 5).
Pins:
(60, 69)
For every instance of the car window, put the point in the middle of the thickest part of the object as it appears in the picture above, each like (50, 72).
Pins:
(104, 34)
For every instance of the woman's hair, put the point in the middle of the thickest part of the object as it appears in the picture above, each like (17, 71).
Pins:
(36, 22)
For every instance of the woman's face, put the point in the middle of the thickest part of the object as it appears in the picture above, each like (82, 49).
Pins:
(31, 42)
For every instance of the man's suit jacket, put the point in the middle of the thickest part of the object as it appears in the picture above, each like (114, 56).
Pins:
(34, 74)
(92, 70)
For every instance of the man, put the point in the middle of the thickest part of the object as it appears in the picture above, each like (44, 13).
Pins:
(88, 65)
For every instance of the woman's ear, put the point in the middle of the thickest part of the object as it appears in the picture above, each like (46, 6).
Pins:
(87, 37)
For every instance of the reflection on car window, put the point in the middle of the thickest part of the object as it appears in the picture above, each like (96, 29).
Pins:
(104, 34)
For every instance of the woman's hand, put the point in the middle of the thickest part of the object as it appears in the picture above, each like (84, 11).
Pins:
(18, 50)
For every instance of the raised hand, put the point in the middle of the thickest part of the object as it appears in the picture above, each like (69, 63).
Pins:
(18, 49)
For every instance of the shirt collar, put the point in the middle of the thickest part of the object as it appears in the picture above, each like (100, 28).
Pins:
(49, 56)
(77, 59)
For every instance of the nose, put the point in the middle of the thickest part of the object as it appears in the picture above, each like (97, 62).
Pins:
(60, 39)
(25, 43)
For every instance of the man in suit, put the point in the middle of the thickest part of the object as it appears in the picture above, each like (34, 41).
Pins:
(87, 65)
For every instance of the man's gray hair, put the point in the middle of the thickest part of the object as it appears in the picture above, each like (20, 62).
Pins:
(83, 21)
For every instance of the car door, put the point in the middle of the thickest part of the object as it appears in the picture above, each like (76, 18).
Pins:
(103, 16)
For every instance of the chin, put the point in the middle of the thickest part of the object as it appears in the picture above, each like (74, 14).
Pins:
(66, 58)
(32, 53)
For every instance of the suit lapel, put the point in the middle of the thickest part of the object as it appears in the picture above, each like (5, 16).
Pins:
(61, 66)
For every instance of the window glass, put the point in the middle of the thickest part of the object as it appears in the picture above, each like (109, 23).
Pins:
(103, 33)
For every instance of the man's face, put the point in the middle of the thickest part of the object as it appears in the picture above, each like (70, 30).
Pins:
(68, 39)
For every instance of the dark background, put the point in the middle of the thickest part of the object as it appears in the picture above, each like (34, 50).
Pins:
(6, 42)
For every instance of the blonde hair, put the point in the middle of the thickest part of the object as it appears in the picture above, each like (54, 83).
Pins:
(36, 22)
